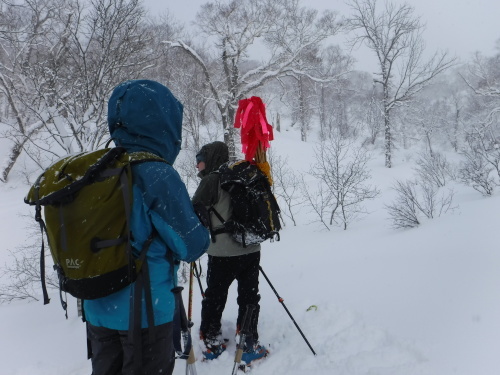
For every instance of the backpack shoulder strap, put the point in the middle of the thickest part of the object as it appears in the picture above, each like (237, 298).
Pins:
(144, 156)
(213, 232)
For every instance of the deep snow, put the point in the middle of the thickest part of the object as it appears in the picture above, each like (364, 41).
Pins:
(402, 302)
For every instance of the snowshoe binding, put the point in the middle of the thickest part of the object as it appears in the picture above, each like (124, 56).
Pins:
(254, 353)
(214, 347)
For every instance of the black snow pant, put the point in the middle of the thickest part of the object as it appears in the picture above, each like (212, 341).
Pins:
(113, 354)
(222, 271)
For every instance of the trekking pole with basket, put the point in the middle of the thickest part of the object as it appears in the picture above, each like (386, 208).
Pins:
(243, 335)
(190, 362)
(288, 312)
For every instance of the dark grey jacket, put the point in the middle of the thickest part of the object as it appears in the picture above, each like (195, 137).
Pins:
(209, 193)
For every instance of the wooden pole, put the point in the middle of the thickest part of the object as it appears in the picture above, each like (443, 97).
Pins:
(260, 155)
(190, 362)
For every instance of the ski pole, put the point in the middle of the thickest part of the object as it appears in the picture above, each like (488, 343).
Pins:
(190, 362)
(190, 304)
(288, 312)
(199, 280)
(243, 335)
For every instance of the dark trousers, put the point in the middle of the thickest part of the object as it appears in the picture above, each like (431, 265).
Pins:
(222, 271)
(113, 354)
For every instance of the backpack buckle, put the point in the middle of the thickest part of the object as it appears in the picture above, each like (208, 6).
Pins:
(38, 213)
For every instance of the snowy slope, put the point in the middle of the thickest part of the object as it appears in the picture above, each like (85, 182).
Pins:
(389, 302)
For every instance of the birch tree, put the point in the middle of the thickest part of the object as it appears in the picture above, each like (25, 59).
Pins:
(333, 63)
(64, 58)
(484, 76)
(428, 118)
(23, 34)
(394, 34)
(483, 79)
(282, 28)
(184, 78)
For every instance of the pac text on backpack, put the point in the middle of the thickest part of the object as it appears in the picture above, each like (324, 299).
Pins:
(87, 199)
(255, 216)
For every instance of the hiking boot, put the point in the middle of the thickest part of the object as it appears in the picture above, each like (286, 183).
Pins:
(215, 346)
(254, 352)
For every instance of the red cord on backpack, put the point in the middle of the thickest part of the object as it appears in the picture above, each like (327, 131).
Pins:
(255, 130)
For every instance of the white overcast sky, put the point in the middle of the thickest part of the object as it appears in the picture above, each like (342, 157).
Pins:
(459, 26)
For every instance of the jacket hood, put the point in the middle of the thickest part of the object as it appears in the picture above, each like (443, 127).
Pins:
(215, 154)
(143, 115)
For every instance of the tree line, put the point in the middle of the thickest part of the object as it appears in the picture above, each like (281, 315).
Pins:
(60, 60)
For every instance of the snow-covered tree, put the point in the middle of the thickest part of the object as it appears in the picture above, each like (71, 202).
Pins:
(428, 118)
(25, 32)
(180, 73)
(394, 34)
(64, 58)
(282, 28)
(482, 147)
(343, 179)
(483, 79)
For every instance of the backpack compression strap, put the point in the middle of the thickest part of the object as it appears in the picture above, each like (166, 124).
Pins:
(142, 283)
(213, 232)
(228, 227)
(38, 218)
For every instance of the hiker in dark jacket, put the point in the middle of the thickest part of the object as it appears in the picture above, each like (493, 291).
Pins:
(144, 116)
(227, 261)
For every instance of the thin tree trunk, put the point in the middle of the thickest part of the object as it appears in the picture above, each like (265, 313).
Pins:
(229, 132)
(322, 112)
(388, 133)
(388, 141)
(11, 159)
(302, 119)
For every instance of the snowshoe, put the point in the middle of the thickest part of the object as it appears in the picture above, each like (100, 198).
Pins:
(253, 353)
(214, 347)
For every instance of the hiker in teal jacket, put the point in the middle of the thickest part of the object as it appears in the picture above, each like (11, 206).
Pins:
(144, 116)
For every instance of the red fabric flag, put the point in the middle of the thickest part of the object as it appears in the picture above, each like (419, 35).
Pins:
(251, 118)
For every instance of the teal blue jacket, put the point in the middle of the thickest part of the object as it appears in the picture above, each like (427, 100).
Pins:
(144, 116)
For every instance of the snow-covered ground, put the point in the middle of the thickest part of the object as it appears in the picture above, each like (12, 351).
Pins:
(389, 302)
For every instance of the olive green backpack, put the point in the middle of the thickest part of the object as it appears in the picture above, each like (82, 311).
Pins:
(87, 199)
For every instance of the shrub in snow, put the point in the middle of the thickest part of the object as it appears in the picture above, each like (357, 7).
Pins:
(341, 175)
(416, 199)
(434, 168)
(476, 172)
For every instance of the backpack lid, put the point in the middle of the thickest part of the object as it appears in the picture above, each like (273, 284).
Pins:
(240, 172)
(69, 174)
